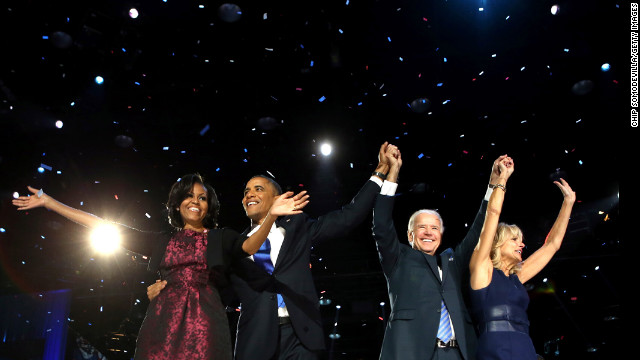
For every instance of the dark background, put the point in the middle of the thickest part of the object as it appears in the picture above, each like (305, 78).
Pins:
(229, 95)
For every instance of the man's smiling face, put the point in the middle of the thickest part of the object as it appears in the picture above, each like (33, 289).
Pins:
(259, 195)
(426, 233)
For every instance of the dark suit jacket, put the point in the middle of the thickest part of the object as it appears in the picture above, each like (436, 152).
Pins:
(258, 326)
(415, 289)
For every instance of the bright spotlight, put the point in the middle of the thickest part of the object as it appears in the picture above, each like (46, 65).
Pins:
(555, 9)
(105, 238)
(99, 80)
(133, 13)
(325, 149)
(605, 67)
(59, 124)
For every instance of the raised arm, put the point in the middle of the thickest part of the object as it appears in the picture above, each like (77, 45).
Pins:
(40, 199)
(285, 204)
(341, 222)
(480, 266)
(539, 259)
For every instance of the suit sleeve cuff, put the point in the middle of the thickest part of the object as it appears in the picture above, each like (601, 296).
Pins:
(376, 180)
(388, 188)
(487, 195)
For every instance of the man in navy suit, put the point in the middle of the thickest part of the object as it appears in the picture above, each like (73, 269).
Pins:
(280, 316)
(429, 319)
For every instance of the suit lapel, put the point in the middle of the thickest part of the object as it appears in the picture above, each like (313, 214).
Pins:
(444, 260)
(285, 223)
(433, 264)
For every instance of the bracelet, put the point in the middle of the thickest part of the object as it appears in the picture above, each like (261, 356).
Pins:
(380, 175)
(39, 194)
(499, 186)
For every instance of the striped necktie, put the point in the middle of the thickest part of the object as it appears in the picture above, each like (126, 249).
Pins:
(444, 330)
(263, 258)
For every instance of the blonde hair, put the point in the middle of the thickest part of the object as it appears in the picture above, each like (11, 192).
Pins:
(504, 233)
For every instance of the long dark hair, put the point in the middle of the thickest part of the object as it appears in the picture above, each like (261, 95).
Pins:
(178, 193)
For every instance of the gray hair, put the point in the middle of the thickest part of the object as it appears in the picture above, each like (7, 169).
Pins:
(412, 219)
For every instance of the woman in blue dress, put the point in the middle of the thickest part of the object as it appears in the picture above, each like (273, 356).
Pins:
(499, 300)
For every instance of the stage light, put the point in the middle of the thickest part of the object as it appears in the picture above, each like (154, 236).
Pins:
(99, 80)
(59, 124)
(555, 9)
(605, 67)
(325, 149)
(105, 238)
(133, 13)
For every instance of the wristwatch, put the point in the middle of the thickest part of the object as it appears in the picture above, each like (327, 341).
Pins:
(380, 175)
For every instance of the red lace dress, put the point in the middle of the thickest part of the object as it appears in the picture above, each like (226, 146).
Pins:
(187, 320)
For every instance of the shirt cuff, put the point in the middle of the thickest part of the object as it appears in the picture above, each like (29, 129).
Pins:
(376, 180)
(388, 188)
(488, 194)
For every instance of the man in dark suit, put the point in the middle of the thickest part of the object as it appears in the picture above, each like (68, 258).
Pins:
(280, 316)
(429, 319)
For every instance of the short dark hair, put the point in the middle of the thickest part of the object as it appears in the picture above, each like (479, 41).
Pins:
(178, 193)
(276, 186)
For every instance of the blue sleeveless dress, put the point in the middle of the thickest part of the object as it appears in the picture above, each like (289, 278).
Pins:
(500, 314)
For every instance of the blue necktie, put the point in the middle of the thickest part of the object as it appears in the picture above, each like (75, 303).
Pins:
(444, 331)
(263, 258)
